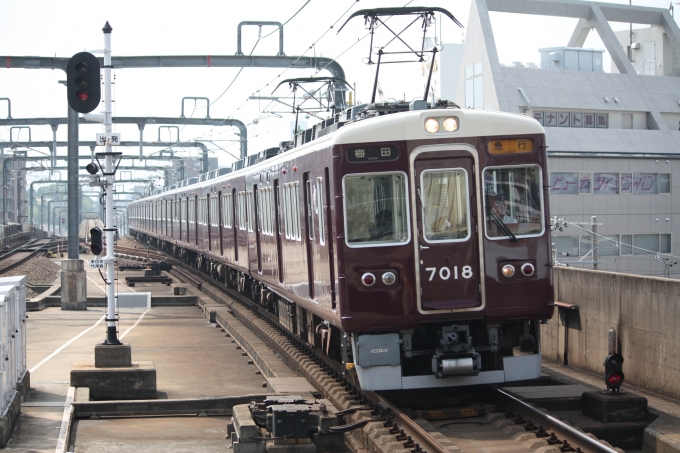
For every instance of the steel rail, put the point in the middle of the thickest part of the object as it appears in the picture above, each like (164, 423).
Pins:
(570, 431)
(428, 443)
(41, 249)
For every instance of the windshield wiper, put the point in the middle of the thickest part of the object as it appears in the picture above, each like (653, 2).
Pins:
(501, 225)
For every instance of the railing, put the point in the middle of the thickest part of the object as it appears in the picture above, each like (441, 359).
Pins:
(16, 239)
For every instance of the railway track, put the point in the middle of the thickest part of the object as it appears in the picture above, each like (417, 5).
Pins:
(20, 255)
(380, 425)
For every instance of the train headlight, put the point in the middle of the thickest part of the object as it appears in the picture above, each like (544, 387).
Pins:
(528, 269)
(451, 124)
(388, 278)
(368, 279)
(431, 125)
(508, 270)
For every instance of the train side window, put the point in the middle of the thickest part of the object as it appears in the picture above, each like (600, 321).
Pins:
(286, 210)
(226, 211)
(241, 211)
(321, 209)
(295, 209)
(270, 212)
(249, 213)
(376, 209)
(259, 210)
(310, 212)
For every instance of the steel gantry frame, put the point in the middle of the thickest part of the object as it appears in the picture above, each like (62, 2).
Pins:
(232, 61)
(198, 61)
(141, 124)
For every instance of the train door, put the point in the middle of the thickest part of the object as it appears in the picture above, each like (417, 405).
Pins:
(325, 228)
(236, 219)
(257, 220)
(447, 246)
(309, 237)
(182, 220)
(278, 232)
(220, 220)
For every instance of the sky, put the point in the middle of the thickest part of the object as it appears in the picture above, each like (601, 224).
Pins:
(209, 27)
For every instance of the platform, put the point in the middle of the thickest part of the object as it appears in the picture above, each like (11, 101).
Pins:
(194, 361)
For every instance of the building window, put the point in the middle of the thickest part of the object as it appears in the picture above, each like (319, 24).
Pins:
(605, 183)
(626, 121)
(612, 245)
(474, 86)
(565, 183)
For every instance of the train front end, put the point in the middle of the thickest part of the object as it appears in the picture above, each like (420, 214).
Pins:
(445, 254)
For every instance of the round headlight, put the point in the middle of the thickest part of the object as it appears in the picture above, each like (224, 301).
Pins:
(451, 124)
(388, 278)
(431, 125)
(508, 270)
(527, 269)
(368, 279)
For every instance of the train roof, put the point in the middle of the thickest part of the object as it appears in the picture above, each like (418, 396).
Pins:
(396, 126)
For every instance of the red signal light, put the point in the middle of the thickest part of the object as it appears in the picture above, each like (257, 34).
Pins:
(614, 379)
(83, 95)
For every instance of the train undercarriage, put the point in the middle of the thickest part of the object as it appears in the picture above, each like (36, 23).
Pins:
(436, 354)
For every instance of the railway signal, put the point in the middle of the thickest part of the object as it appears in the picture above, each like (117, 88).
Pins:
(613, 373)
(82, 82)
(96, 241)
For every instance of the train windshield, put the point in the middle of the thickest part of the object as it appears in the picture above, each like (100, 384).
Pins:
(376, 209)
(445, 207)
(513, 204)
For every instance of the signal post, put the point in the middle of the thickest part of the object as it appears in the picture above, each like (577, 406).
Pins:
(113, 375)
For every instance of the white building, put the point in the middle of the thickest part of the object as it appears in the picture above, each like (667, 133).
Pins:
(614, 143)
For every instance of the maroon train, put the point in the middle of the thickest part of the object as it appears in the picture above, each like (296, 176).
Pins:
(413, 247)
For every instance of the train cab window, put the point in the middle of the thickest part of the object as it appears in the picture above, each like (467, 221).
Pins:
(445, 207)
(513, 202)
(376, 209)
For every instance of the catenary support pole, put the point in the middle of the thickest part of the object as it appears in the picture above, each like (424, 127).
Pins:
(73, 185)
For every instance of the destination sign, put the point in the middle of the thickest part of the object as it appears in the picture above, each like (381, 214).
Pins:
(372, 153)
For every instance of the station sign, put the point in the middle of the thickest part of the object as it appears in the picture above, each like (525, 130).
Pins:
(112, 139)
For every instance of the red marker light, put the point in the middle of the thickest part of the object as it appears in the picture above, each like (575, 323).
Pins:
(83, 95)
(528, 269)
(368, 279)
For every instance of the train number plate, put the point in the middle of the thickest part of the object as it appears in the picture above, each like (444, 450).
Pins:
(96, 263)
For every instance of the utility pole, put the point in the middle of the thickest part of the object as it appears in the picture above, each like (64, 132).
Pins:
(109, 172)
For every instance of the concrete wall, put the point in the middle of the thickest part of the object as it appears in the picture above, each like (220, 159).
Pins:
(643, 310)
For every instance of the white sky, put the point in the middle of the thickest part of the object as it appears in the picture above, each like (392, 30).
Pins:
(208, 27)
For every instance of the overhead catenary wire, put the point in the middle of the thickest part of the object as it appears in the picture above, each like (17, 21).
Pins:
(354, 2)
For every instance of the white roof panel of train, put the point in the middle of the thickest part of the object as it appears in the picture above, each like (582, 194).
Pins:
(473, 123)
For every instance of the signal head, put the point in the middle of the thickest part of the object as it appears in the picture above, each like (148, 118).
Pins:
(92, 168)
(96, 241)
(82, 82)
